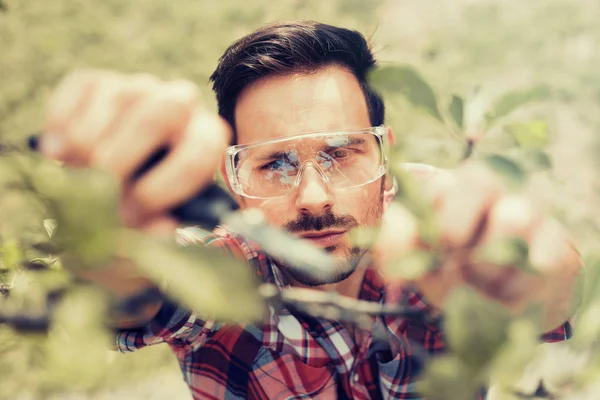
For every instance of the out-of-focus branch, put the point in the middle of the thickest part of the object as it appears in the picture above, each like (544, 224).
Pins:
(332, 305)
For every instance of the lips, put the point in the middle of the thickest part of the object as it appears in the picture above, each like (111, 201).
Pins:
(323, 239)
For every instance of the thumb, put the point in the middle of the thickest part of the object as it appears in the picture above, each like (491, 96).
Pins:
(397, 237)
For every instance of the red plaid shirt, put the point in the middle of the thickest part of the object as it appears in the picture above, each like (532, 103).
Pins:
(291, 355)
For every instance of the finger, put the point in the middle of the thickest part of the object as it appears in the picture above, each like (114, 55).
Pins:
(190, 165)
(151, 123)
(508, 285)
(432, 181)
(106, 108)
(512, 216)
(162, 227)
(548, 247)
(462, 209)
(397, 237)
(495, 269)
(68, 99)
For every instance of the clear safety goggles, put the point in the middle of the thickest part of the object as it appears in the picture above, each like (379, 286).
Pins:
(274, 168)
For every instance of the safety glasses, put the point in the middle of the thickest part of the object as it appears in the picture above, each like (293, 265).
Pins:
(274, 168)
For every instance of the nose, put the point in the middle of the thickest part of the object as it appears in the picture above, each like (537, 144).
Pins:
(313, 194)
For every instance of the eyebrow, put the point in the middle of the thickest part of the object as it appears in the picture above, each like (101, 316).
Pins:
(280, 154)
(273, 156)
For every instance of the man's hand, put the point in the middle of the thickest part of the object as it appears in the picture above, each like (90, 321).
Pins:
(473, 210)
(116, 122)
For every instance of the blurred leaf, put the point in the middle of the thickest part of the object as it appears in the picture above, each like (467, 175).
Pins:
(474, 113)
(87, 219)
(50, 226)
(513, 357)
(588, 326)
(475, 327)
(78, 341)
(448, 377)
(538, 159)
(412, 265)
(512, 251)
(206, 280)
(533, 134)
(510, 101)
(456, 110)
(363, 236)
(591, 288)
(408, 82)
(506, 168)
(12, 255)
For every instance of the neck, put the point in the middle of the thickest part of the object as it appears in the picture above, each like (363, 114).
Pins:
(349, 287)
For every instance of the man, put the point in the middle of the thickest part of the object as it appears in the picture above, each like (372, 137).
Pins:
(310, 152)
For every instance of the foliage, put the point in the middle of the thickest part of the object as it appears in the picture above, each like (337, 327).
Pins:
(512, 84)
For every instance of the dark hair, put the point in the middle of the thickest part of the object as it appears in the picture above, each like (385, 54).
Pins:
(290, 47)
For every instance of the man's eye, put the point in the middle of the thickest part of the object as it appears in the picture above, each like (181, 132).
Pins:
(271, 165)
(339, 154)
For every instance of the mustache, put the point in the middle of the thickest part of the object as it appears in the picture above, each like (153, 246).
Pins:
(327, 220)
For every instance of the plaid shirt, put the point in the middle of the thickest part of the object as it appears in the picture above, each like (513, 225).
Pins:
(292, 355)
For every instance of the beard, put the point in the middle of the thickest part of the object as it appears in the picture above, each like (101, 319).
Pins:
(348, 257)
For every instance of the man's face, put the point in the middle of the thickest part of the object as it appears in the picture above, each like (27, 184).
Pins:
(327, 100)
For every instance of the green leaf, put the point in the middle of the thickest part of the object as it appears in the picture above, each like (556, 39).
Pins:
(408, 82)
(504, 252)
(457, 110)
(85, 206)
(413, 265)
(507, 168)
(448, 377)
(206, 280)
(591, 288)
(537, 159)
(533, 134)
(588, 326)
(475, 327)
(509, 364)
(510, 101)
(12, 256)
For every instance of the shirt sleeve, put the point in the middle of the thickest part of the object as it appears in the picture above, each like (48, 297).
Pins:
(425, 332)
(563, 332)
(174, 323)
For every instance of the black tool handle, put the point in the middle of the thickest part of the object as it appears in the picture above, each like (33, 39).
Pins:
(205, 208)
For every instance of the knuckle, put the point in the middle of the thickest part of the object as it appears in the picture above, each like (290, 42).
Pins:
(145, 79)
(80, 75)
(144, 83)
(76, 138)
(195, 171)
(184, 90)
(166, 108)
(135, 87)
(149, 200)
(96, 157)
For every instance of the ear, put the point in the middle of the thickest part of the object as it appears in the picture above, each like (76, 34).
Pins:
(233, 194)
(390, 182)
(389, 194)
(391, 136)
(391, 185)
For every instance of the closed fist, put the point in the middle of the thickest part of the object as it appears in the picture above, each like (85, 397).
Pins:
(116, 122)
